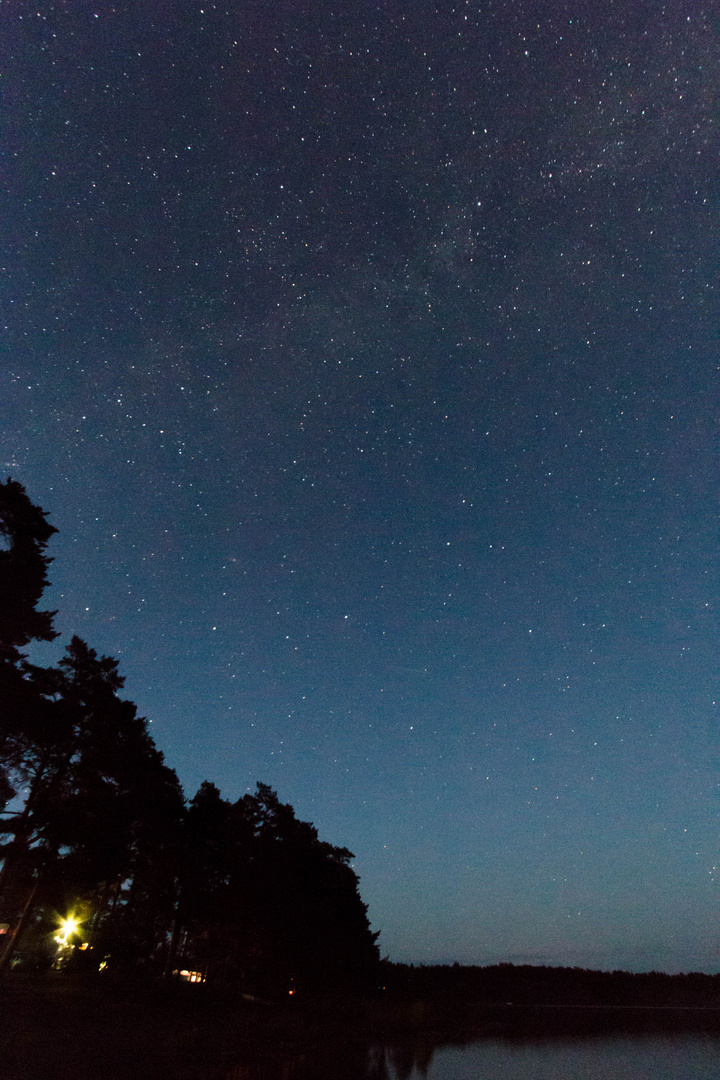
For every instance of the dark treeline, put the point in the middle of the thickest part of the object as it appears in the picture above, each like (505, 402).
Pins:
(510, 984)
(96, 825)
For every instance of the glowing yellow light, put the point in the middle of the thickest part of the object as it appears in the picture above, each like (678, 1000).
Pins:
(68, 927)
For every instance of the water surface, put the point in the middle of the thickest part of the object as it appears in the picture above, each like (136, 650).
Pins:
(682, 1057)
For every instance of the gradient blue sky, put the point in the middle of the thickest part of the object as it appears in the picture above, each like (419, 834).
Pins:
(364, 356)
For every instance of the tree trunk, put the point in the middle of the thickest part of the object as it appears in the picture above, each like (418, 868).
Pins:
(20, 843)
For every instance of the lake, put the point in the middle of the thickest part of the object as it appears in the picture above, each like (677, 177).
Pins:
(99, 1031)
(424, 1056)
(675, 1057)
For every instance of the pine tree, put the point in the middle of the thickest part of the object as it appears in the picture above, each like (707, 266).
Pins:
(23, 572)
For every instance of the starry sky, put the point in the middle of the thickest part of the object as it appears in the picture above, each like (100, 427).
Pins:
(363, 354)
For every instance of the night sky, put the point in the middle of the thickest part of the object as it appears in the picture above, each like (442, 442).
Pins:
(364, 356)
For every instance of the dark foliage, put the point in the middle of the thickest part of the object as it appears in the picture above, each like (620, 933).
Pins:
(23, 571)
(264, 902)
(24, 534)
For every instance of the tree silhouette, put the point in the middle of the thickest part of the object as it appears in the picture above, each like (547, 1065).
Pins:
(96, 787)
(23, 572)
(265, 902)
(307, 900)
(245, 891)
(24, 532)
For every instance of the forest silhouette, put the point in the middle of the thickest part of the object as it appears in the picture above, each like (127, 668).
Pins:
(97, 831)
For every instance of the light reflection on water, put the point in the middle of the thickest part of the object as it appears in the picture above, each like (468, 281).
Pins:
(686, 1057)
(592, 1057)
